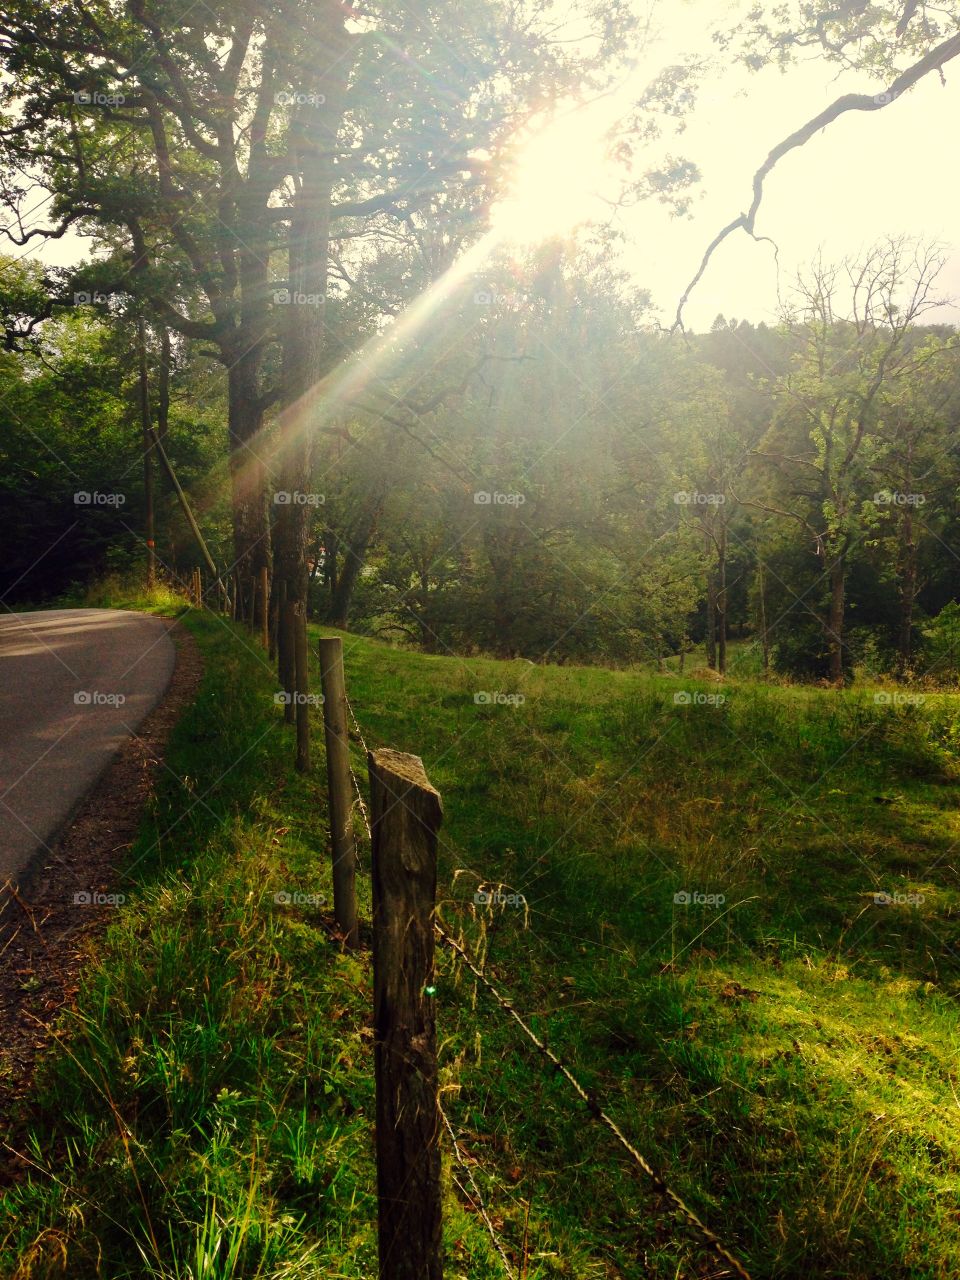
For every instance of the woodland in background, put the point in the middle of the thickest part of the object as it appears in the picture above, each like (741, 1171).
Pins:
(572, 484)
(278, 194)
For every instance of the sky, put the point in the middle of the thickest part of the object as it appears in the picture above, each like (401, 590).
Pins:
(867, 175)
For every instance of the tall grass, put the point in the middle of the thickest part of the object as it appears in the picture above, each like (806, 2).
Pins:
(780, 1043)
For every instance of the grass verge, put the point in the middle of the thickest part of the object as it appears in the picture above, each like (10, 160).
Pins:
(786, 1055)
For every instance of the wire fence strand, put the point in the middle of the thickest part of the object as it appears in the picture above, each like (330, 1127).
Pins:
(661, 1186)
(713, 1241)
(476, 1191)
(356, 784)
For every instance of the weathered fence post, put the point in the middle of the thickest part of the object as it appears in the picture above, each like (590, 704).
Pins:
(280, 591)
(288, 677)
(276, 588)
(264, 607)
(302, 684)
(406, 817)
(338, 786)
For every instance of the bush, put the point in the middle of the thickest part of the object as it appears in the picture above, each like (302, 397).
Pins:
(942, 643)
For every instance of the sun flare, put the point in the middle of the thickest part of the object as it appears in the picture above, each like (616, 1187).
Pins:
(560, 170)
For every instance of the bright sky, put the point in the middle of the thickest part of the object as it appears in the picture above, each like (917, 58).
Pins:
(865, 176)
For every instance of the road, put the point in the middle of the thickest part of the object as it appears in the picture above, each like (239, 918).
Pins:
(74, 684)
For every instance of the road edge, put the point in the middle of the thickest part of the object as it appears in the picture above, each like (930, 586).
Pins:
(44, 936)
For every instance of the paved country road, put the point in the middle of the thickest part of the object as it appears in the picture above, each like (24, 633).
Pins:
(74, 684)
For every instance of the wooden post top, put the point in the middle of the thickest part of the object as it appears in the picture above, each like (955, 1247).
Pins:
(400, 764)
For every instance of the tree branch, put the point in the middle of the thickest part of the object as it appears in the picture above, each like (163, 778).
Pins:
(931, 61)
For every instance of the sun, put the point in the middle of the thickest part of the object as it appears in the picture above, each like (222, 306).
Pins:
(560, 167)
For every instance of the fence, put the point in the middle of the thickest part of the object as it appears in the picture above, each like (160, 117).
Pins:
(402, 825)
(405, 816)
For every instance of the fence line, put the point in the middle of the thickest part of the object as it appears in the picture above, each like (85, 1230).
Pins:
(662, 1187)
(712, 1240)
(476, 1191)
(366, 752)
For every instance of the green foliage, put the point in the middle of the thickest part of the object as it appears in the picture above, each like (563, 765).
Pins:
(942, 642)
(208, 1109)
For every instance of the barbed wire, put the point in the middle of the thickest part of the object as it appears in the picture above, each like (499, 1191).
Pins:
(476, 1191)
(356, 784)
(709, 1237)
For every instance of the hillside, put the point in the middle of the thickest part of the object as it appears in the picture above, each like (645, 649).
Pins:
(688, 876)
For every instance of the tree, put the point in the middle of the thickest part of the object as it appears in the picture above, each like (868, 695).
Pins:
(221, 156)
(824, 437)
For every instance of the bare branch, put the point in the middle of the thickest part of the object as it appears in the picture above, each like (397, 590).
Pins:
(932, 61)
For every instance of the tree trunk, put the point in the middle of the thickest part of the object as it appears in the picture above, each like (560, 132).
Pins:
(147, 441)
(721, 628)
(908, 590)
(764, 634)
(711, 636)
(331, 555)
(251, 525)
(354, 555)
(835, 617)
(308, 353)
(163, 382)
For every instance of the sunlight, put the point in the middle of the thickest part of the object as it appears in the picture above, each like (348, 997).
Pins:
(366, 368)
(560, 168)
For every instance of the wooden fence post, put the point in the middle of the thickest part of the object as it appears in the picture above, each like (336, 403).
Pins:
(302, 683)
(406, 817)
(338, 787)
(276, 589)
(264, 606)
(288, 678)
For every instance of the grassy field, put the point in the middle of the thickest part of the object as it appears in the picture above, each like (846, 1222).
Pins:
(699, 937)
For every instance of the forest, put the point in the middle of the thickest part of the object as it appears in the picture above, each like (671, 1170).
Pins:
(544, 473)
(361, 326)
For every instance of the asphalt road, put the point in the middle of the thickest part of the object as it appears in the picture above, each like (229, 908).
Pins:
(74, 684)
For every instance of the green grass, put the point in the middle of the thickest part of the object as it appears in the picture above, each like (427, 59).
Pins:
(788, 1057)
